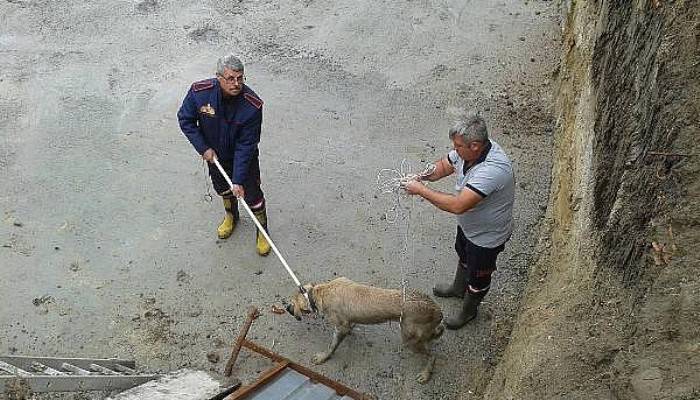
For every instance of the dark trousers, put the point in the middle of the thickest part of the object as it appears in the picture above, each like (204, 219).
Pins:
(480, 262)
(254, 196)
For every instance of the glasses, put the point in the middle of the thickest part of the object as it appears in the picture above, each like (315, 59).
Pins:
(233, 79)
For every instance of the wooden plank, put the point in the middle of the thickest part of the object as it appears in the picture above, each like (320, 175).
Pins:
(263, 351)
(253, 313)
(264, 378)
(339, 388)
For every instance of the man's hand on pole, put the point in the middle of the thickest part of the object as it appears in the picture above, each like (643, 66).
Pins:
(238, 191)
(209, 155)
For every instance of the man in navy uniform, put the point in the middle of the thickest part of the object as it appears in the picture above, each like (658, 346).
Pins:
(222, 118)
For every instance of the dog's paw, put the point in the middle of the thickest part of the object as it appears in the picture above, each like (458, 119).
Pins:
(319, 358)
(423, 377)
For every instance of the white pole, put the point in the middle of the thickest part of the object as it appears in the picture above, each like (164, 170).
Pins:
(262, 230)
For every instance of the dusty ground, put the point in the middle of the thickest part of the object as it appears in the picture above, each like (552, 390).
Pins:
(108, 244)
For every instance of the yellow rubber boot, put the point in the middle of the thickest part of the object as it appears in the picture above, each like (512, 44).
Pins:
(261, 245)
(229, 223)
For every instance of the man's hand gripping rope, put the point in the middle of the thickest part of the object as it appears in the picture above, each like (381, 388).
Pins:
(429, 169)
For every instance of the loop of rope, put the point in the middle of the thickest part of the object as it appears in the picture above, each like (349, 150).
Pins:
(391, 182)
(208, 196)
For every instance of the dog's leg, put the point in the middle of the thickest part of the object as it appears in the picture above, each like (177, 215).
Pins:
(424, 376)
(427, 372)
(338, 335)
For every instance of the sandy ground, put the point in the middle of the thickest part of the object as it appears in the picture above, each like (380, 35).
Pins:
(108, 242)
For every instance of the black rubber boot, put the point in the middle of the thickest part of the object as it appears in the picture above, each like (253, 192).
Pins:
(457, 288)
(468, 312)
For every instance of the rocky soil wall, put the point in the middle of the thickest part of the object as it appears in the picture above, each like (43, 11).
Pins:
(612, 305)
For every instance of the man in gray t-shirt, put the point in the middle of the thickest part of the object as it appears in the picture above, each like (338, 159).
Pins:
(483, 204)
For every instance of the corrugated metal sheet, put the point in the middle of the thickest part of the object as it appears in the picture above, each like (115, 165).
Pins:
(291, 385)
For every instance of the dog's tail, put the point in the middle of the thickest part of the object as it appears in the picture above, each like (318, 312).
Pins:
(439, 330)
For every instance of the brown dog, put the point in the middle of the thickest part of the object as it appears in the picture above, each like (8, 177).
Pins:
(345, 303)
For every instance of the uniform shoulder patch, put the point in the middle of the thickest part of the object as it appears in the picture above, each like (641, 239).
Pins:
(256, 102)
(202, 85)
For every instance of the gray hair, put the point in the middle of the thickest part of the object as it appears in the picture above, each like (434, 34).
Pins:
(471, 128)
(229, 62)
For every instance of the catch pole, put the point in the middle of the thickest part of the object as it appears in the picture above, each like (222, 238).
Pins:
(264, 233)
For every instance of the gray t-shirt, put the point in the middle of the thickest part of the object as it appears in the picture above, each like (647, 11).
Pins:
(490, 222)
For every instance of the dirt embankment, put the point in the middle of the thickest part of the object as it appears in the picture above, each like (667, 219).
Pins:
(612, 307)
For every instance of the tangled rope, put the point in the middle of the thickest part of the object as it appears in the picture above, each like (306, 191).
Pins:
(392, 181)
(208, 196)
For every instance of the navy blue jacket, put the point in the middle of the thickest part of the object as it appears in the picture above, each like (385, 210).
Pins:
(234, 136)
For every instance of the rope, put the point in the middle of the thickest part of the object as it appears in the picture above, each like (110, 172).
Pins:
(391, 182)
(208, 197)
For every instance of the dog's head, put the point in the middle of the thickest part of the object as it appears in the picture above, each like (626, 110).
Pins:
(298, 306)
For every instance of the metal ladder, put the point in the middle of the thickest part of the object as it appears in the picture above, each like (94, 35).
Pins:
(46, 374)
